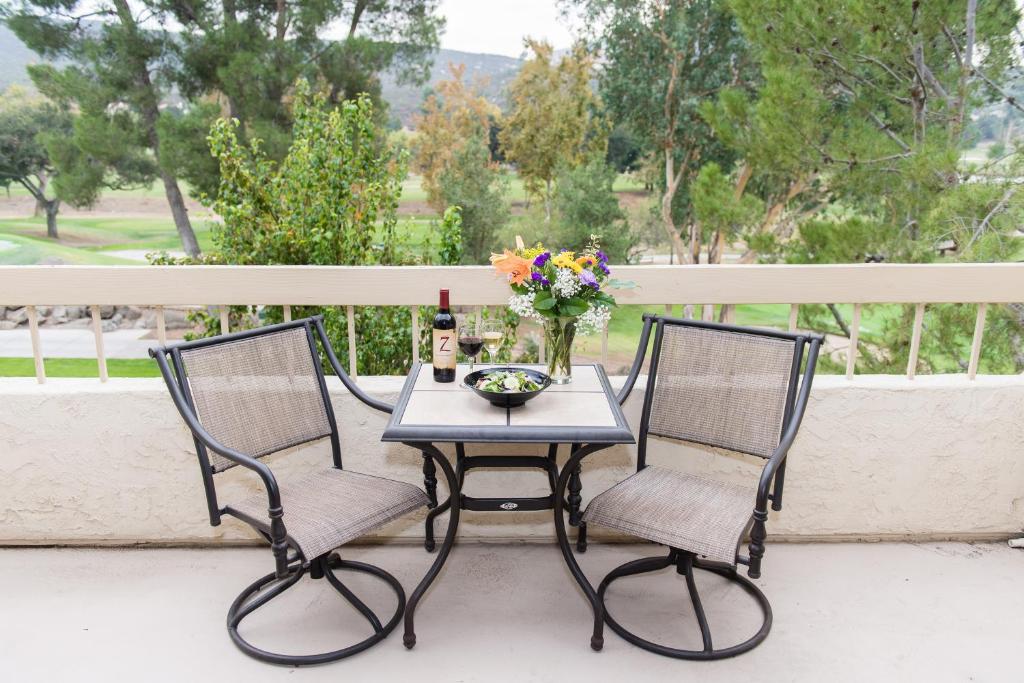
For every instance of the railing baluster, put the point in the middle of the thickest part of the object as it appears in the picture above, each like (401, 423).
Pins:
(915, 341)
(350, 315)
(224, 320)
(415, 334)
(979, 331)
(287, 313)
(604, 344)
(97, 330)
(479, 317)
(708, 312)
(161, 326)
(851, 354)
(794, 315)
(668, 310)
(37, 349)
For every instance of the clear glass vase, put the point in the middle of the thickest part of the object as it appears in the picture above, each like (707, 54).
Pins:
(558, 336)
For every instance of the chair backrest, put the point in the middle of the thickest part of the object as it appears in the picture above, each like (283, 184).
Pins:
(722, 386)
(257, 393)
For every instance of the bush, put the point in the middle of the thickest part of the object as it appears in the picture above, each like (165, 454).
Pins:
(586, 205)
(332, 201)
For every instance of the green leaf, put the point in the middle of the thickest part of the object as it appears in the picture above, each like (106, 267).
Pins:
(615, 283)
(574, 306)
(544, 301)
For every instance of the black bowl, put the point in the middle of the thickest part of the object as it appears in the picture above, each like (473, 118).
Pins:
(507, 399)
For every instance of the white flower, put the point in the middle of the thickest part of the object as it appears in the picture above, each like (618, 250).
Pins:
(566, 284)
(594, 320)
(522, 305)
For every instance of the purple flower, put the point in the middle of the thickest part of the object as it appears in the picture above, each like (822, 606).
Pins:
(604, 268)
(537, 277)
(587, 278)
(541, 259)
(601, 257)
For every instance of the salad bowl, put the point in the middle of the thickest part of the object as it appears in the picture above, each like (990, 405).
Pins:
(507, 387)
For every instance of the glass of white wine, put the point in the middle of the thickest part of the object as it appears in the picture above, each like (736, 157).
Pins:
(492, 332)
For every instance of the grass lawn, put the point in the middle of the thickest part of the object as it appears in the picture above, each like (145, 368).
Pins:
(79, 367)
(86, 240)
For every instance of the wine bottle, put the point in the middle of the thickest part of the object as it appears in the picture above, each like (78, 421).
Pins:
(444, 342)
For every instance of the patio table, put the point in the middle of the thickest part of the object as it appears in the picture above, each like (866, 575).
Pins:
(584, 413)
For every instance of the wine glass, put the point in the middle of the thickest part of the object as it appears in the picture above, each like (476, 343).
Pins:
(470, 341)
(491, 333)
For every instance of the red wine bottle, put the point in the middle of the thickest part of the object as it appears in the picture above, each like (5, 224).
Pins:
(444, 342)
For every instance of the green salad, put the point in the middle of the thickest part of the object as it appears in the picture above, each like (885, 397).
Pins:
(507, 382)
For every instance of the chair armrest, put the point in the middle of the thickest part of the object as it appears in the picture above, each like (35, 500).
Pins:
(638, 360)
(344, 376)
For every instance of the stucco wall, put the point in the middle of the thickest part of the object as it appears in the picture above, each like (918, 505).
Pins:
(84, 462)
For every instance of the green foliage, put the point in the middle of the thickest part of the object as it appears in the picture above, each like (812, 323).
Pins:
(249, 53)
(552, 121)
(585, 205)
(472, 182)
(331, 201)
(450, 234)
(717, 208)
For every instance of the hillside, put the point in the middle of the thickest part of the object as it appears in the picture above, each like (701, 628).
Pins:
(493, 72)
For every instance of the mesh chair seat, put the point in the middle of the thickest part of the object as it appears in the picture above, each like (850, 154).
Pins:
(331, 507)
(682, 511)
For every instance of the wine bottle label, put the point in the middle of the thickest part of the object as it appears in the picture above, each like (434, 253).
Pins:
(444, 349)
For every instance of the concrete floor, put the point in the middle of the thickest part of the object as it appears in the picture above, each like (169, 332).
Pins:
(843, 612)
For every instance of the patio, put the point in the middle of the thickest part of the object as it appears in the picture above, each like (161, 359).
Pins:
(911, 461)
(843, 612)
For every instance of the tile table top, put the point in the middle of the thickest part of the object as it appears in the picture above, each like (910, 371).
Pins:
(583, 411)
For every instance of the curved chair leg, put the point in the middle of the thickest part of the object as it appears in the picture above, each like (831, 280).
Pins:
(251, 599)
(686, 564)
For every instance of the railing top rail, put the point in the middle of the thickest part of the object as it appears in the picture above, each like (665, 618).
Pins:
(478, 285)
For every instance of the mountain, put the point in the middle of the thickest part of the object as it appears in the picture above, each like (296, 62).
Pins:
(493, 72)
(14, 57)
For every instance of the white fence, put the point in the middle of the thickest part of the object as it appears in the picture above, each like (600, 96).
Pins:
(351, 286)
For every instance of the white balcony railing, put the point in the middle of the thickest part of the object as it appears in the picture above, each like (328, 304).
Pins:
(477, 286)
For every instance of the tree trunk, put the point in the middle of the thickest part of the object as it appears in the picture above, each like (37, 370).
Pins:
(149, 108)
(180, 213)
(671, 184)
(51, 206)
(40, 207)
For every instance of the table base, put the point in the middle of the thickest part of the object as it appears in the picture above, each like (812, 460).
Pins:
(466, 463)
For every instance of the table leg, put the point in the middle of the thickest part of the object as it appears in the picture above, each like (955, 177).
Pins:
(597, 638)
(409, 639)
(575, 501)
(430, 484)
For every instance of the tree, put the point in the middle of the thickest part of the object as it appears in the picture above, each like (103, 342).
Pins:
(474, 183)
(116, 80)
(551, 122)
(586, 205)
(661, 59)
(854, 145)
(240, 59)
(454, 115)
(25, 122)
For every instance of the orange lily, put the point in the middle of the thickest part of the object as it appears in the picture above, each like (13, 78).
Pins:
(516, 267)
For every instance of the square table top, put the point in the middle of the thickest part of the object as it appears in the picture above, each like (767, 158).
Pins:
(583, 411)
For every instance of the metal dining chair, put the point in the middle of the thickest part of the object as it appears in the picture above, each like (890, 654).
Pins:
(247, 395)
(725, 387)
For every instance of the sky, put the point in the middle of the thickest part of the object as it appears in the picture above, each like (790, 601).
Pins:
(499, 26)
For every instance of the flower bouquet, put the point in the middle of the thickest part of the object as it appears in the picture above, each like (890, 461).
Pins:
(564, 291)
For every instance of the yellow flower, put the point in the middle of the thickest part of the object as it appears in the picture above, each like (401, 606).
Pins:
(564, 260)
(533, 252)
